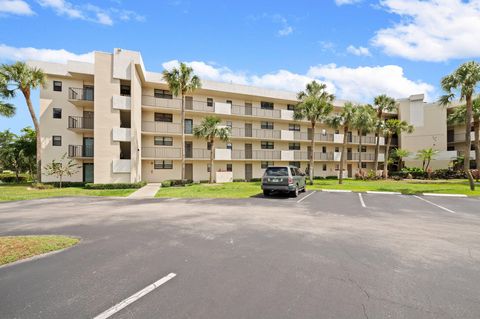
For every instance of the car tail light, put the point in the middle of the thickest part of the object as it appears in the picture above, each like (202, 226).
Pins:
(290, 180)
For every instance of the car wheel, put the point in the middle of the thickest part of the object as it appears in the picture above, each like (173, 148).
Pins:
(295, 192)
(266, 193)
(304, 189)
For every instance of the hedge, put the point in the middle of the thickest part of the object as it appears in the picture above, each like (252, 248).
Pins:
(115, 186)
(11, 178)
(66, 184)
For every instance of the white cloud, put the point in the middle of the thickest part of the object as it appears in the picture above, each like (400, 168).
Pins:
(8, 53)
(357, 84)
(89, 12)
(17, 7)
(360, 51)
(286, 30)
(432, 30)
(342, 2)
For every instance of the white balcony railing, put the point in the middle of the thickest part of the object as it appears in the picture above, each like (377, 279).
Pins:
(121, 166)
(120, 134)
(121, 102)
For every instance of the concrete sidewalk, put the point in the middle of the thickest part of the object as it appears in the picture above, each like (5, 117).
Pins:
(147, 191)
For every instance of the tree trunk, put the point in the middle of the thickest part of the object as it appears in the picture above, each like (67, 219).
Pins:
(387, 155)
(212, 151)
(182, 149)
(377, 142)
(16, 174)
(342, 155)
(476, 126)
(468, 142)
(400, 163)
(60, 184)
(360, 151)
(428, 163)
(26, 94)
(312, 154)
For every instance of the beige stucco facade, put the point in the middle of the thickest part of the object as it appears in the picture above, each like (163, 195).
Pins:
(129, 115)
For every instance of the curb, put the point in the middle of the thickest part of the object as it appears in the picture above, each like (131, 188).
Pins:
(384, 193)
(444, 195)
(336, 190)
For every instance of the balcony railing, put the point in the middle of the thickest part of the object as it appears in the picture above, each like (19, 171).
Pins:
(79, 122)
(83, 94)
(80, 151)
(161, 152)
(256, 133)
(162, 127)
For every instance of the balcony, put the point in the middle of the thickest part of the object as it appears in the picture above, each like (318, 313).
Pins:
(256, 154)
(121, 134)
(81, 96)
(460, 138)
(365, 156)
(161, 127)
(80, 124)
(80, 151)
(223, 154)
(256, 112)
(121, 166)
(120, 102)
(161, 152)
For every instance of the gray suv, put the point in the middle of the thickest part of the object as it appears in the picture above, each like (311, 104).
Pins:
(287, 179)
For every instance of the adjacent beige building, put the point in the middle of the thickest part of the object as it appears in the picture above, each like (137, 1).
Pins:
(121, 124)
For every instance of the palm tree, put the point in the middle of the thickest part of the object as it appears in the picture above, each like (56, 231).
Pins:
(345, 118)
(315, 104)
(392, 127)
(21, 77)
(464, 80)
(401, 154)
(364, 122)
(182, 81)
(426, 155)
(458, 117)
(210, 129)
(383, 103)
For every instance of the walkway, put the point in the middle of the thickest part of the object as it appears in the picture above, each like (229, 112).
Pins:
(147, 191)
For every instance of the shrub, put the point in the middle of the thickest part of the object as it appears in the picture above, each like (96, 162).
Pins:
(448, 174)
(256, 180)
(166, 183)
(115, 186)
(331, 177)
(475, 174)
(415, 172)
(11, 178)
(318, 177)
(66, 184)
(239, 180)
(204, 181)
(42, 186)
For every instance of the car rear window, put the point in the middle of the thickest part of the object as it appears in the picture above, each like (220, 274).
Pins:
(277, 171)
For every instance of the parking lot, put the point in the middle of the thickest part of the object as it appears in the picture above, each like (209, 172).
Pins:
(320, 255)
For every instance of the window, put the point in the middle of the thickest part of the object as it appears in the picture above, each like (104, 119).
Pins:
(267, 125)
(229, 102)
(296, 164)
(208, 168)
(188, 126)
(266, 145)
(324, 167)
(163, 140)
(294, 146)
(294, 127)
(277, 171)
(324, 149)
(209, 101)
(337, 132)
(163, 164)
(266, 164)
(163, 117)
(56, 140)
(229, 167)
(125, 90)
(364, 165)
(209, 146)
(57, 86)
(229, 146)
(266, 105)
(337, 167)
(337, 149)
(57, 113)
(163, 94)
(229, 124)
(291, 107)
(364, 149)
(450, 148)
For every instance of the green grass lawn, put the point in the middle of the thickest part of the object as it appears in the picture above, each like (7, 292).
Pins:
(245, 190)
(13, 248)
(22, 192)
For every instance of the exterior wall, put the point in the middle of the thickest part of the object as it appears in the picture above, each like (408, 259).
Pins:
(105, 119)
(136, 123)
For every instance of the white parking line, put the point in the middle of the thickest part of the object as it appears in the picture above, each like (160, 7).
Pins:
(298, 201)
(427, 201)
(361, 200)
(336, 190)
(444, 195)
(108, 313)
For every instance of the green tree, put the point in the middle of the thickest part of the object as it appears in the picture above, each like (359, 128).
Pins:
(383, 103)
(315, 105)
(401, 154)
(27, 143)
(182, 81)
(346, 119)
(61, 168)
(392, 127)
(458, 117)
(462, 83)
(210, 129)
(426, 155)
(6, 109)
(13, 153)
(364, 122)
(21, 77)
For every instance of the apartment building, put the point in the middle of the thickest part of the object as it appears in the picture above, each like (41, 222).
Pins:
(122, 124)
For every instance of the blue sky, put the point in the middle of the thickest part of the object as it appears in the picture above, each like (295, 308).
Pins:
(359, 48)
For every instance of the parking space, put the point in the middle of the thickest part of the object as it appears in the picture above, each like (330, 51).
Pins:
(320, 255)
